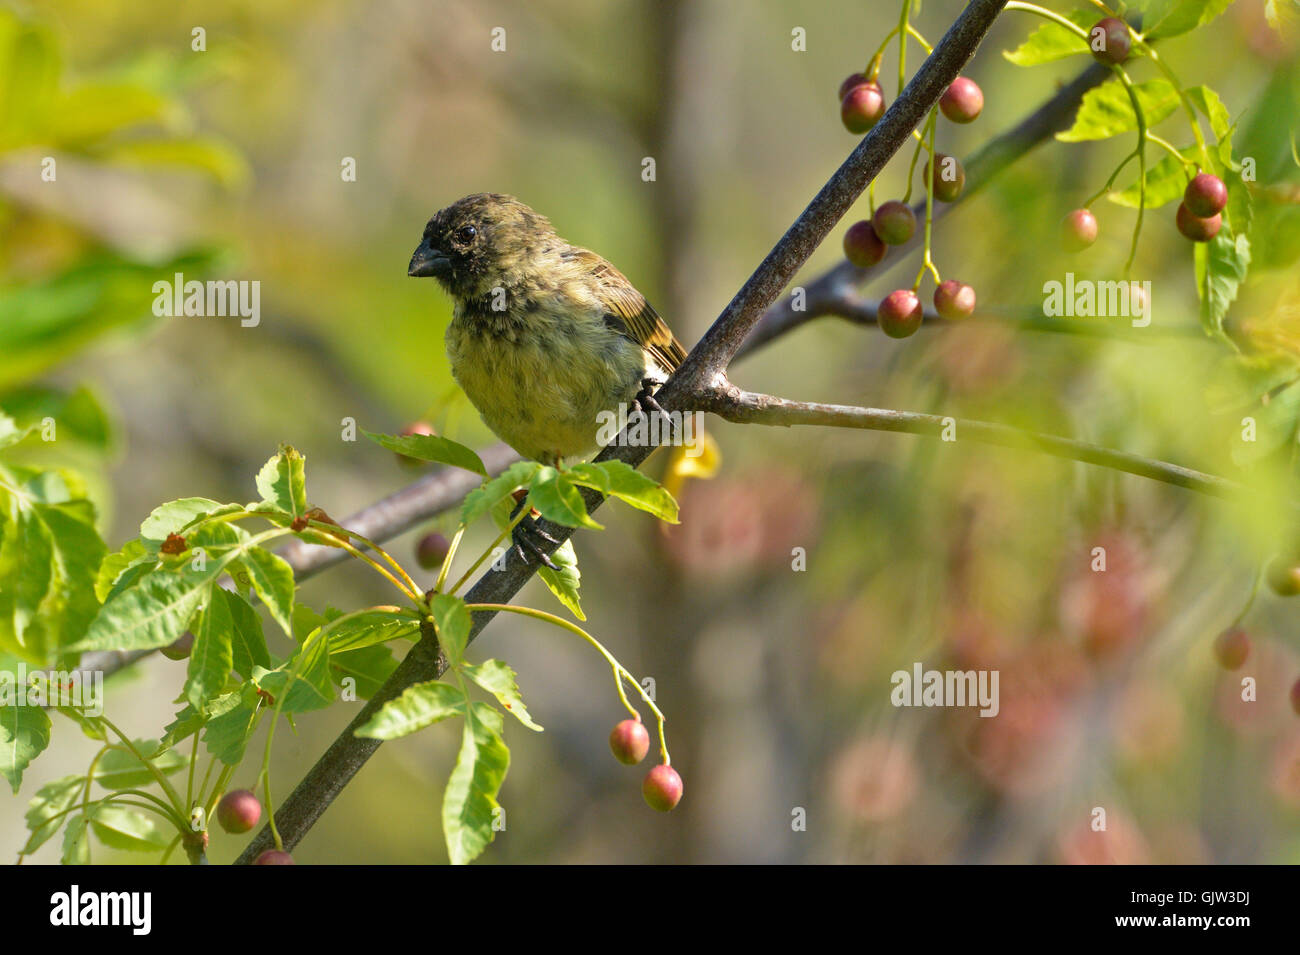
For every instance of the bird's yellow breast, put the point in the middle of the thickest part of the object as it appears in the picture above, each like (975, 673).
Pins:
(541, 376)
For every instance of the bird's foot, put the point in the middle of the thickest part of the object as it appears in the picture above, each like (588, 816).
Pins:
(530, 540)
(646, 403)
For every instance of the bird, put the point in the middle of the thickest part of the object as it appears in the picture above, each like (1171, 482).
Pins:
(545, 335)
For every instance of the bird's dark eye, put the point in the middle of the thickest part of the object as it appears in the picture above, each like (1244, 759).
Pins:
(466, 233)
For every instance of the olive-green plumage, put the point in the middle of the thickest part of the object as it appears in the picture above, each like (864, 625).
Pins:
(545, 335)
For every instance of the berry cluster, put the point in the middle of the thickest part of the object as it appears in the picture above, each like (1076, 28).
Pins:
(630, 742)
(900, 313)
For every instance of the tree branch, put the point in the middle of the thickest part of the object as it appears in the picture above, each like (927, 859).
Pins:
(747, 407)
(348, 753)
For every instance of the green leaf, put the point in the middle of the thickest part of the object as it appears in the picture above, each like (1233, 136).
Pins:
(198, 154)
(499, 680)
(151, 614)
(248, 644)
(1221, 266)
(76, 847)
(1165, 18)
(419, 706)
(368, 667)
(282, 481)
(302, 682)
(10, 433)
(1209, 103)
(566, 582)
(24, 734)
(621, 480)
(557, 499)
(429, 447)
(112, 576)
(452, 619)
(370, 627)
(78, 416)
(125, 827)
(273, 581)
(189, 720)
(1107, 111)
(470, 801)
(1166, 181)
(49, 557)
(485, 497)
(227, 735)
(43, 811)
(1051, 41)
(212, 657)
(119, 768)
(172, 517)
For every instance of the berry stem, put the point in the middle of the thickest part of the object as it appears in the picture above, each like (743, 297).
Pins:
(927, 262)
(446, 561)
(1183, 98)
(902, 44)
(620, 672)
(1142, 164)
(1170, 148)
(1049, 15)
(1250, 600)
(505, 532)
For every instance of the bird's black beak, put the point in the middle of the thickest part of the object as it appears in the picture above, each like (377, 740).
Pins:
(428, 262)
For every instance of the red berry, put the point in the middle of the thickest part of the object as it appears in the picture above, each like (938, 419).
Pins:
(662, 788)
(1283, 576)
(1231, 648)
(894, 222)
(962, 101)
(415, 427)
(1109, 40)
(179, 648)
(431, 551)
(1196, 228)
(1078, 230)
(954, 300)
(862, 246)
(862, 107)
(899, 313)
(238, 811)
(850, 81)
(274, 857)
(629, 742)
(950, 179)
(1205, 196)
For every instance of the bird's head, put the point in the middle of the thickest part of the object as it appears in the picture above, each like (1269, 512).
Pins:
(480, 242)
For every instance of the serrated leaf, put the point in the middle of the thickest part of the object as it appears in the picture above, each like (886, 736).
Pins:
(172, 517)
(1221, 266)
(558, 500)
(430, 447)
(1106, 110)
(43, 811)
(497, 678)
(303, 681)
(452, 619)
(76, 845)
(566, 583)
(469, 802)
(483, 498)
(621, 480)
(189, 721)
(368, 628)
(227, 735)
(114, 566)
(367, 667)
(247, 642)
(24, 734)
(419, 706)
(1165, 18)
(1165, 182)
(120, 769)
(128, 828)
(1051, 41)
(272, 579)
(211, 658)
(283, 483)
(153, 613)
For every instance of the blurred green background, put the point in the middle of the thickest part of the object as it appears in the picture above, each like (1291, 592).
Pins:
(226, 164)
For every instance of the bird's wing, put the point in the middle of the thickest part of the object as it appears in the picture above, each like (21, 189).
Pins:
(629, 312)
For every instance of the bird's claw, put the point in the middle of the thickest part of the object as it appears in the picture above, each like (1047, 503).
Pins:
(529, 539)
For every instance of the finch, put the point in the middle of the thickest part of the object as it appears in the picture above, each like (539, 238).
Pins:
(545, 335)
